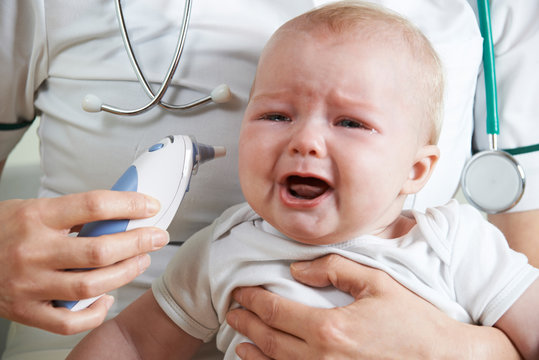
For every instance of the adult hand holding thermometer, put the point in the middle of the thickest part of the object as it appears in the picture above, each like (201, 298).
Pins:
(164, 172)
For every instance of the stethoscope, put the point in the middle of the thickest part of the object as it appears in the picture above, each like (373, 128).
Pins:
(220, 94)
(493, 180)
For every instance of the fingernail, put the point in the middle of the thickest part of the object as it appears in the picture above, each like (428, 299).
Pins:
(160, 238)
(144, 262)
(152, 205)
(232, 319)
(109, 302)
(301, 266)
(236, 294)
(240, 351)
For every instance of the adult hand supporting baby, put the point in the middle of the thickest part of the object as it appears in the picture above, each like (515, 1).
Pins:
(35, 249)
(520, 230)
(385, 321)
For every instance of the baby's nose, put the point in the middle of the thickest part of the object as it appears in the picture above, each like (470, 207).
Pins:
(308, 140)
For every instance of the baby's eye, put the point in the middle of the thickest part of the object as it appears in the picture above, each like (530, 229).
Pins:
(349, 123)
(274, 117)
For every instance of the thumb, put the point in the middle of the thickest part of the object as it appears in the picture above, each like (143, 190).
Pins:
(344, 274)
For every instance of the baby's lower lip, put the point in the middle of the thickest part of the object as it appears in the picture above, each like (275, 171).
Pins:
(291, 201)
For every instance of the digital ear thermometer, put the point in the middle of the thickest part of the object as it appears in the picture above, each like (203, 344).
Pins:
(164, 172)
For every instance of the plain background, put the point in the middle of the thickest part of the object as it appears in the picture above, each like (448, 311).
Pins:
(20, 178)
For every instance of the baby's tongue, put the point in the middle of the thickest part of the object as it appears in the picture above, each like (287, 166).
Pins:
(306, 187)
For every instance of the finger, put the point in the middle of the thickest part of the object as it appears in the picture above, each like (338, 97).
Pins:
(247, 351)
(85, 319)
(67, 211)
(76, 285)
(346, 275)
(276, 311)
(65, 322)
(270, 343)
(92, 252)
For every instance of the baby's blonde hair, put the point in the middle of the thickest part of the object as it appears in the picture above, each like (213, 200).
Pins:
(384, 25)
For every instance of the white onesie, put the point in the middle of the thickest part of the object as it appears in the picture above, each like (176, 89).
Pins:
(452, 258)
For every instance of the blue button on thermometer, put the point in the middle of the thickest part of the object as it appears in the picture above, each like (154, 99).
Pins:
(163, 172)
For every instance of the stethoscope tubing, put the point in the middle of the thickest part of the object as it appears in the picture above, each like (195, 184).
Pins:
(156, 98)
(491, 93)
(489, 69)
(219, 94)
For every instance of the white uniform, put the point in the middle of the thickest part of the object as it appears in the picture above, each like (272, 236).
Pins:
(55, 52)
(447, 258)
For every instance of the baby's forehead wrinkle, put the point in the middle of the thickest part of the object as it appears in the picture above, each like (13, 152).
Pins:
(296, 88)
(269, 95)
(350, 104)
(358, 99)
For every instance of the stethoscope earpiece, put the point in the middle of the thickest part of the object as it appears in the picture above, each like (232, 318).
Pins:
(91, 103)
(221, 94)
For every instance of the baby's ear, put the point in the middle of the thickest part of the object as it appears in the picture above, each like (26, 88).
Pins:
(426, 159)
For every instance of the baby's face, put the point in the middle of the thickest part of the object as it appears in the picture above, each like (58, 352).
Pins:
(329, 138)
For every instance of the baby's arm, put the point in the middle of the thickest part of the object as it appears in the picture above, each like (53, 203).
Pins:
(141, 331)
(521, 322)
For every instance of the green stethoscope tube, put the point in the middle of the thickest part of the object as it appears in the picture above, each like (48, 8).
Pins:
(489, 70)
(493, 124)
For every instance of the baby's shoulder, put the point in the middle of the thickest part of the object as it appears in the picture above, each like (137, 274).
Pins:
(232, 217)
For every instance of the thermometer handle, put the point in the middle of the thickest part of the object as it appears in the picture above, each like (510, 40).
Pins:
(164, 172)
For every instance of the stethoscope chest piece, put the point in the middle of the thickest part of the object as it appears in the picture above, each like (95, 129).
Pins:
(493, 181)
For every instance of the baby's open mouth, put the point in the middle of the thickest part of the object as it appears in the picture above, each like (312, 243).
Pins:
(306, 187)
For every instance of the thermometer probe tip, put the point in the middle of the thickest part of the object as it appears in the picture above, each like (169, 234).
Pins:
(220, 151)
